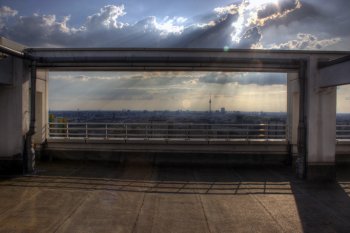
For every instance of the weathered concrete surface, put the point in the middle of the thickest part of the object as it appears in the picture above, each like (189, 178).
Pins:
(14, 113)
(335, 75)
(79, 196)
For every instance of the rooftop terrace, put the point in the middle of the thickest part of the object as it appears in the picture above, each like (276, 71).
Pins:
(146, 197)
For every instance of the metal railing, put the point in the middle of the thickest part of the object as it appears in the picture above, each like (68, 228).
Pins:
(343, 132)
(165, 131)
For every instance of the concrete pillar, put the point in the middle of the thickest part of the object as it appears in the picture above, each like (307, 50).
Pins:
(293, 95)
(14, 113)
(41, 111)
(321, 126)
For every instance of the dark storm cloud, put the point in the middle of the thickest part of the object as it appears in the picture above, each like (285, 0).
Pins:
(238, 25)
(271, 9)
(121, 94)
(325, 20)
(245, 78)
(5, 13)
(216, 36)
(250, 37)
(306, 41)
(105, 29)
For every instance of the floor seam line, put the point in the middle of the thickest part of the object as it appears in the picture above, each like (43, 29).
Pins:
(202, 206)
(72, 212)
(264, 207)
(19, 204)
(142, 204)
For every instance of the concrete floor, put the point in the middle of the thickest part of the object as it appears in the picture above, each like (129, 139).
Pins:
(142, 197)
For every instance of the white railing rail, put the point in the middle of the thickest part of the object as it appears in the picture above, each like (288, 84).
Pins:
(166, 131)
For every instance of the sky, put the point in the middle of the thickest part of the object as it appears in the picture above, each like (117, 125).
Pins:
(259, 24)
(286, 24)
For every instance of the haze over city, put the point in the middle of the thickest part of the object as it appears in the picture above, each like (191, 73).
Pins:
(168, 91)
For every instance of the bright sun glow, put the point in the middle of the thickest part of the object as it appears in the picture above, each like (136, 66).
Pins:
(247, 15)
(186, 104)
(261, 2)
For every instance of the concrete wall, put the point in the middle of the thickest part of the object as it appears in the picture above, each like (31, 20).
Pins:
(338, 74)
(14, 106)
(6, 67)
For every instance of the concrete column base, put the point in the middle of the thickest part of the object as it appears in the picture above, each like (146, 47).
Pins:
(321, 172)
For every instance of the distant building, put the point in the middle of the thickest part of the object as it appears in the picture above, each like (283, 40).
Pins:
(223, 110)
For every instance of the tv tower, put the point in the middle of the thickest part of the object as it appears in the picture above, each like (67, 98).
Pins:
(210, 104)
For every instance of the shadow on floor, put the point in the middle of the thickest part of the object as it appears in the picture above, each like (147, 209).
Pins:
(321, 207)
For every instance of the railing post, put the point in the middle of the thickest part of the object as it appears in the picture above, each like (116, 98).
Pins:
(266, 131)
(67, 133)
(106, 131)
(126, 131)
(247, 132)
(207, 127)
(146, 130)
(86, 131)
(227, 134)
(188, 132)
(48, 130)
(286, 131)
(167, 131)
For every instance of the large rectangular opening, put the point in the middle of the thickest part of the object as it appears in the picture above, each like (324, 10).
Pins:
(343, 113)
(188, 105)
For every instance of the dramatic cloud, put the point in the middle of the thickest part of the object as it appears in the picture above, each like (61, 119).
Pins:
(106, 18)
(41, 29)
(246, 24)
(323, 19)
(250, 38)
(245, 78)
(274, 10)
(307, 41)
(230, 9)
(6, 12)
(102, 29)
(236, 26)
(170, 25)
(253, 14)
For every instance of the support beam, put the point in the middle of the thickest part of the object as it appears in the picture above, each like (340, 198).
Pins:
(337, 74)
(173, 59)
